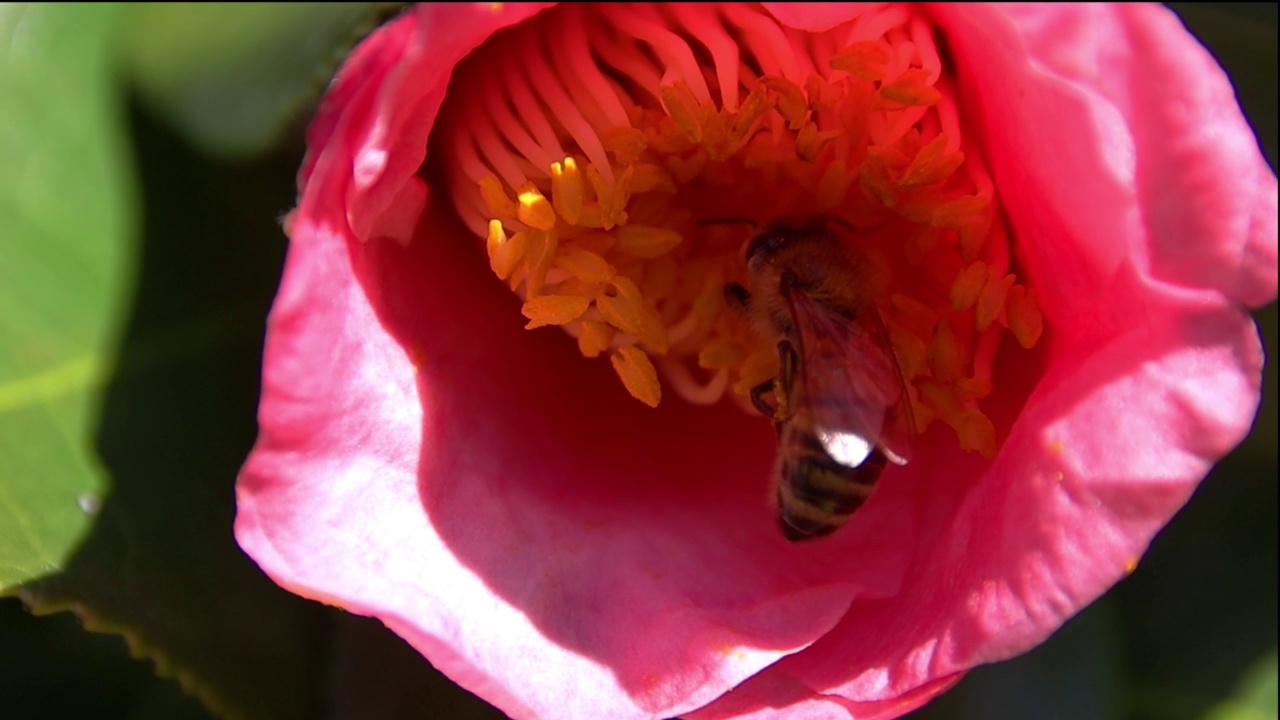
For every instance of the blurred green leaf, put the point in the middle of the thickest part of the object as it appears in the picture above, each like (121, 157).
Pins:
(67, 201)
(1256, 697)
(160, 566)
(232, 76)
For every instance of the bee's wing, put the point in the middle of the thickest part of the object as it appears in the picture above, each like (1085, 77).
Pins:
(852, 382)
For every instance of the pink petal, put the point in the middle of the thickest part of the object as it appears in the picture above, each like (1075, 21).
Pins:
(817, 16)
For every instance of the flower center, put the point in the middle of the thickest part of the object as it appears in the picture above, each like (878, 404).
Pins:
(615, 158)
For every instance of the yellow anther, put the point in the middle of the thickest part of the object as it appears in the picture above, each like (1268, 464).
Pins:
(613, 198)
(761, 365)
(650, 178)
(991, 299)
(932, 164)
(877, 176)
(625, 309)
(1023, 316)
(807, 144)
(594, 338)
(585, 265)
(646, 241)
(637, 374)
(967, 286)
(653, 332)
(946, 354)
(974, 388)
(534, 209)
(913, 314)
(961, 211)
(791, 102)
(822, 95)
(683, 108)
(554, 310)
(758, 102)
(976, 433)
(626, 144)
(495, 198)
(539, 254)
(972, 427)
(911, 89)
(504, 252)
(909, 350)
(867, 60)
(567, 190)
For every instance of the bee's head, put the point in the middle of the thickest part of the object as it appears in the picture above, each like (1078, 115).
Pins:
(783, 234)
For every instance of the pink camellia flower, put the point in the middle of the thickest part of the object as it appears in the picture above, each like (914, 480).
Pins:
(1059, 214)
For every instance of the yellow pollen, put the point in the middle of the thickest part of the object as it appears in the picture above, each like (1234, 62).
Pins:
(623, 219)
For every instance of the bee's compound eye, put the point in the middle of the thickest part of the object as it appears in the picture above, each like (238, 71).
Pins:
(764, 245)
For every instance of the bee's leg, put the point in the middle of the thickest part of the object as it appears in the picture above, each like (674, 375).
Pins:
(737, 296)
(757, 399)
(786, 378)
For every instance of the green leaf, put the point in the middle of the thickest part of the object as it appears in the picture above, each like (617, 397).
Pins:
(67, 201)
(160, 566)
(1255, 699)
(231, 76)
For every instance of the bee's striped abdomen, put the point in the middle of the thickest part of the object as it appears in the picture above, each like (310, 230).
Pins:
(816, 494)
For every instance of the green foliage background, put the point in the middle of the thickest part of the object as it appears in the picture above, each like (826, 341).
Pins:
(147, 153)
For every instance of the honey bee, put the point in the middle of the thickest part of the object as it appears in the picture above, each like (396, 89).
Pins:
(840, 405)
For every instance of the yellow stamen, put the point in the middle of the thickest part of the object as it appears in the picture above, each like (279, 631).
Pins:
(991, 299)
(586, 265)
(638, 375)
(566, 190)
(553, 310)
(911, 88)
(968, 284)
(791, 103)
(628, 239)
(594, 338)
(504, 253)
(683, 107)
(539, 254)
(645, 241)
(932, 164)
(534, 209)
(495, 198)
(867, 60)
(946, 356)
(1024, 318)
